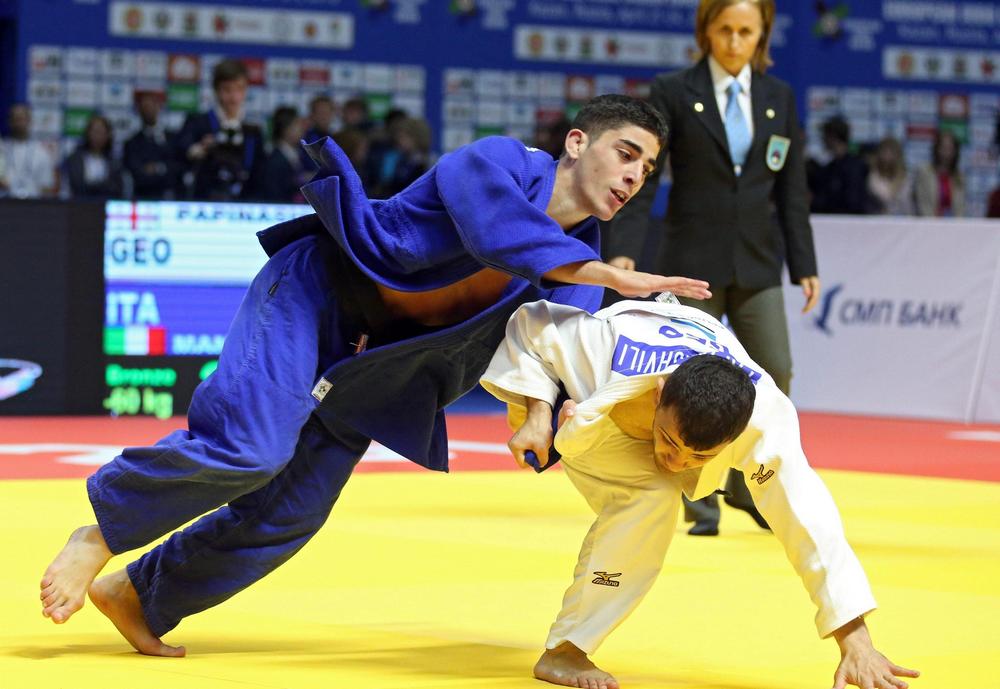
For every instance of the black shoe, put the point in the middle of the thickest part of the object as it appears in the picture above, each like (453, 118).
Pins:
(752, 511)
(704, 528)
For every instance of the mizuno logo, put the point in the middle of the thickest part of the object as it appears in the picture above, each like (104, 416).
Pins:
(759, 476)
(605, 579)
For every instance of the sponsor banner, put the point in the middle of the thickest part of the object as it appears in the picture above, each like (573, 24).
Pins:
(231, 24)
(589, 45)
(903, 319)
(188, 242)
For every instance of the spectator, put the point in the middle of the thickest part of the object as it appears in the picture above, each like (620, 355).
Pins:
(148, 154)
(92, 170)
(841, 185)
(890, 187)
(549, 136)
(356, 115)
(411, 156)
(355, 144)
(29, 167)
(225, 153)
(738, 194)
(383, 154)
(939, 189)
(284, 172)
(322, 112)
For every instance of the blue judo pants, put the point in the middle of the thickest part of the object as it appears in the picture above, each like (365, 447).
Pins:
(252, 443)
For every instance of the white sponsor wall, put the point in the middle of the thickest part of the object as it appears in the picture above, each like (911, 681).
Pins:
(907, 324)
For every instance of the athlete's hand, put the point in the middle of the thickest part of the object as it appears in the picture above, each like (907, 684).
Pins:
(628, 283)
(632, 283)
(535, 434)
(811, 290)
(566, 412)
(863, 666)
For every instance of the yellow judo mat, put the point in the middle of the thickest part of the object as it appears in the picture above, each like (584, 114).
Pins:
(427, 580)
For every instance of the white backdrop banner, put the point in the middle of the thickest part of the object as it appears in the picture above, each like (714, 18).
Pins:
(905, 322)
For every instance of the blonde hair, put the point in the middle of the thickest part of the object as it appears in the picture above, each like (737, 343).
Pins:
(708, 10)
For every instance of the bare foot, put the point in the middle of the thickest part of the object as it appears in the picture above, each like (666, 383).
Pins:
(65, 582)
(117, 599)
(569, 666)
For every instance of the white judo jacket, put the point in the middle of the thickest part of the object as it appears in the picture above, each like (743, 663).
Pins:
(617, 355)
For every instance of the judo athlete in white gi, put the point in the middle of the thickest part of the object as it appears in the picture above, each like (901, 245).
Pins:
(663, 401)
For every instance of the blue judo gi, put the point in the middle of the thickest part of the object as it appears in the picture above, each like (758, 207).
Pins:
(274, 434)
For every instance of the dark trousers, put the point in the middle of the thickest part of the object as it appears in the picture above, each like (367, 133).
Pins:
(758, 319)
(252, 443)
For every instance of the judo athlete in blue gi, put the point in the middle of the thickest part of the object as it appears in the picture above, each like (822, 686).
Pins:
(407, 297)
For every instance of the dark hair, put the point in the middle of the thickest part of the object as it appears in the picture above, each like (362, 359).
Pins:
(937, 159)
(613, 111)
(228, 70)
(837, 128)
(320, 100)
(97, 118)
(712, 399)
(281, 120)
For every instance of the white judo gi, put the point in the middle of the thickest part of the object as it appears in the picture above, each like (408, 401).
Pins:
(617, 355)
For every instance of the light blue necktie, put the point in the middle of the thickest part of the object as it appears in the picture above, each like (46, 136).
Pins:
(737, 132)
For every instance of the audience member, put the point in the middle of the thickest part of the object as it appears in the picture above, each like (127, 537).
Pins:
(939, 189)
(382, 153)
(284, 172)
(890, 187)
(225, 152)
(30, 170)
(92, 171)
(549, 136)
(841, 185)
(322, 113)
(407, 159)
(355, 115)
(148, 154)
(355, 144)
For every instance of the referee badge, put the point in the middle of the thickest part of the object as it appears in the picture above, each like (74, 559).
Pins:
(777, 152)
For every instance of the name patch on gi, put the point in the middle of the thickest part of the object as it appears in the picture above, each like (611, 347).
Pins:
(322, 387)
(632, 358)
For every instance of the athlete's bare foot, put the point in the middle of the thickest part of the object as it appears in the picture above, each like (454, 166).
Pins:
(115, 596)
(65, 582)
(569, 666)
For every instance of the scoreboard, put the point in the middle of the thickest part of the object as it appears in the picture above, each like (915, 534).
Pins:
(175, 273)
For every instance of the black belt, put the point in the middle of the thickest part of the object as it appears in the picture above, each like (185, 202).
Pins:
(359, 299)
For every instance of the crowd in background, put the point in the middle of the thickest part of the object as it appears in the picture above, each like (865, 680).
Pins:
(218, 155)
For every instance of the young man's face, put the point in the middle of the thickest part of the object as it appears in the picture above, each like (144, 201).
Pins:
(734, 34)
(669, 451)
(613, 167)
(231, 94)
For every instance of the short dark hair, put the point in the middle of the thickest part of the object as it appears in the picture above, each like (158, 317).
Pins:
(837, 128)
(229, 69)
(613, 111)
(321, 99)
(283, 117)
(712, 399)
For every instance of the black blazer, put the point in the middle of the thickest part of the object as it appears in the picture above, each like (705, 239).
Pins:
(228, 170)
(111, 187)
(722, 228)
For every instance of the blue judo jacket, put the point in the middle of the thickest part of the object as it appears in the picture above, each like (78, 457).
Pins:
(481, 205)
